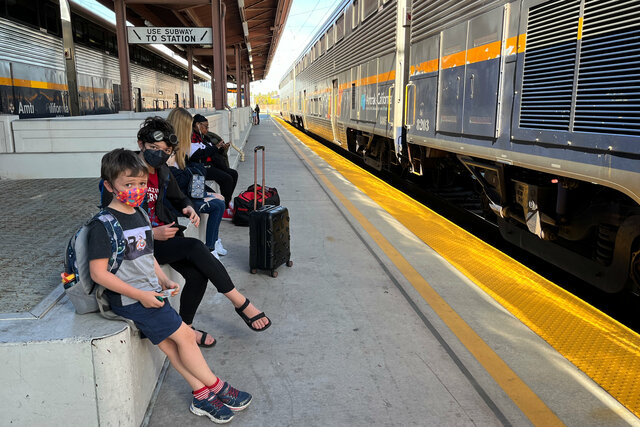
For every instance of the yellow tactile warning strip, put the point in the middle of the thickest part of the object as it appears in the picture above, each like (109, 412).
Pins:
(605, 350)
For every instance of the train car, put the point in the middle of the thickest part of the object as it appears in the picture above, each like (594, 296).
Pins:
(531, 104)
(33, 81)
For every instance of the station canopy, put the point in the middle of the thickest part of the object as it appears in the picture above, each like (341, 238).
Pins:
(253, 26)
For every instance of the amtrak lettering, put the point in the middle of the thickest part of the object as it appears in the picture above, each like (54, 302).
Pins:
(381, 98)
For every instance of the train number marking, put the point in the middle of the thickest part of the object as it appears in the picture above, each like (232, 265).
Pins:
(422, 125)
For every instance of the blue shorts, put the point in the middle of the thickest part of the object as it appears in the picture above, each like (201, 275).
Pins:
(155, 323)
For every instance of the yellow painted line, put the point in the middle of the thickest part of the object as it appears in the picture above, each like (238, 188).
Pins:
(607, 351)
(530, 404)
(580, 24)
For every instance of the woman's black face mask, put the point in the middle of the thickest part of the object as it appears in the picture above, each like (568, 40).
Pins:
(155, 158)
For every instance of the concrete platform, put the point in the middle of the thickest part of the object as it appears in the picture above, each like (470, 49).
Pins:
(353, 342)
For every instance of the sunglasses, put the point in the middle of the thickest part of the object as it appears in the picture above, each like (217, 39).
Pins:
(158, 136)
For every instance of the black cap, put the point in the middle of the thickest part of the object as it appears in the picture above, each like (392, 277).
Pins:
(199, 118)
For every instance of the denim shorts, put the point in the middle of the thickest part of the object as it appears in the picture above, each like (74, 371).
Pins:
(155, 323)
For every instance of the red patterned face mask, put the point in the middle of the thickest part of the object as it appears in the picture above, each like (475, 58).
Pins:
(133, 198)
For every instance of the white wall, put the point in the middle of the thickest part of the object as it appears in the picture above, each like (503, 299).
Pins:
(72, 147)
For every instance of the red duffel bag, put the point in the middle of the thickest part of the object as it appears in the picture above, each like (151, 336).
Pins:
(243, 203)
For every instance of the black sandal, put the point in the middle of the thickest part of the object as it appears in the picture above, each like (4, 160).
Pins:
(248, 321)
(203, 339)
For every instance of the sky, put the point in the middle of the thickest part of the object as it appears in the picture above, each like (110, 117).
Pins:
(304, 20)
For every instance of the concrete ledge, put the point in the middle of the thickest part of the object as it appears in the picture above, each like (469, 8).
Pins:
(78, 370)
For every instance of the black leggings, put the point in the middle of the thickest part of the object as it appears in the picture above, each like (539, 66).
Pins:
(227, 178)
(191, 258)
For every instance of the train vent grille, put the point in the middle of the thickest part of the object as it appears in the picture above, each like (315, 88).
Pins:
(608, 93)
(549, 64)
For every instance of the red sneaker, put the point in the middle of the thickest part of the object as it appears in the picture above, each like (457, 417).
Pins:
(227, 214)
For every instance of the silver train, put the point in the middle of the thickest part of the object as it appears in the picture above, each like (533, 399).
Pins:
(534, 104)
(33, 81)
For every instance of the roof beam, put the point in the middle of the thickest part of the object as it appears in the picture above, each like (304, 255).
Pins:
(204, 51)
(194, 18)
(170, 2)
(147, 14)
(181, 18)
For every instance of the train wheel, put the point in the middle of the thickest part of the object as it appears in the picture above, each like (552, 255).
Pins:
(254, 271)
(289, 263)
(274, 273)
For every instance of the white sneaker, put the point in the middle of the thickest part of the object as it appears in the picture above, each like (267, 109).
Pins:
(219, 248)
(215, 254)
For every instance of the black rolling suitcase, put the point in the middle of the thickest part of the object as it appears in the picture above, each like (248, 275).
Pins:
(268, 230)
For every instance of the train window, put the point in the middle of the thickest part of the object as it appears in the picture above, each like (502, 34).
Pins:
(26, 12)
(354, 14)
(330, 38)
(368, 8)
(348, 19)
(340, 28)
(454, 40)
(485, 29)
(353, 96)
(323, 44)
(50, 18)
(96, 36)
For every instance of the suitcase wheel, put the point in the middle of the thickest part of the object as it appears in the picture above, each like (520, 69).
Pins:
(274, 273)
(254, 270)
(289, 263)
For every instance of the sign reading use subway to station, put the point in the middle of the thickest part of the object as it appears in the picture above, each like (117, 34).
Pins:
(170, 35)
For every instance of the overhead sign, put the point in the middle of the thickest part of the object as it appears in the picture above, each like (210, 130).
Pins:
(170, 35)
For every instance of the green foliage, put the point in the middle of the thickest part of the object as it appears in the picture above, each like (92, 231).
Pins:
(268, 99)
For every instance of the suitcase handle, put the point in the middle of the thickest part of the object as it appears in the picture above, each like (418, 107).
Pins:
(255, 176)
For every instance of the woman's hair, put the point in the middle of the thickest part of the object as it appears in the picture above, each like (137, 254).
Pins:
(181, 120)
(119, 161)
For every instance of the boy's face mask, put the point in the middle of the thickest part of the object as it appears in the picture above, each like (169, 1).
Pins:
(132, 197)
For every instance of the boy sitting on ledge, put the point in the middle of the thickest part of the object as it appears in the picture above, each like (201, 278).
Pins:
(135, 291)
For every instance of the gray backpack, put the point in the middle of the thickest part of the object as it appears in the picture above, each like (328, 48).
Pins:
(86, 295)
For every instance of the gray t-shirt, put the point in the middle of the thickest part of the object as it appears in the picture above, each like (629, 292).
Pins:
(137, 268)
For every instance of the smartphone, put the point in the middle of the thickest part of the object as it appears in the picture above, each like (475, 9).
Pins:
(179, 226)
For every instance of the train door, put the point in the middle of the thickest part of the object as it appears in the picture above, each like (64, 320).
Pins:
(451, 93)
(137, 99)
(470, 59)
(482, 74)
(334, 110)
